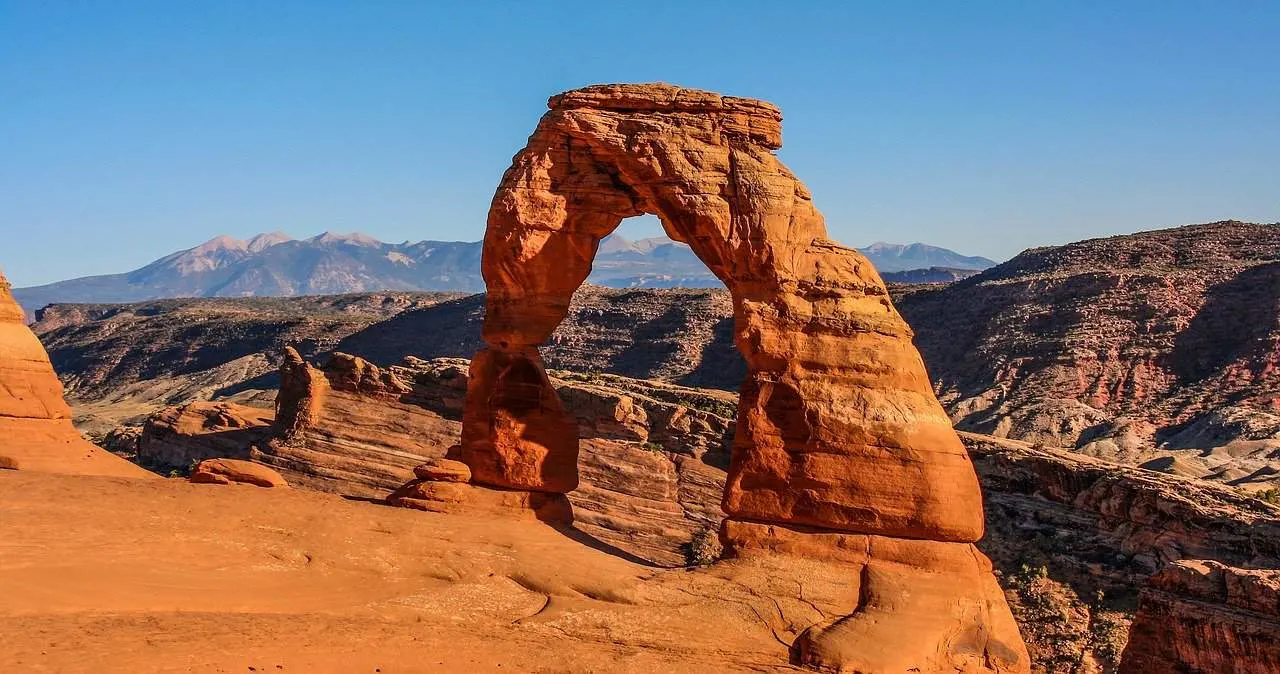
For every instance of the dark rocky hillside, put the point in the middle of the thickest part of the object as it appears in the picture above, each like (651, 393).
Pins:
(1158, 348)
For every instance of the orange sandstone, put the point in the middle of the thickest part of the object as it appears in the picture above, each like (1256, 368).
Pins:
(840, 440)
(228, 471)
(35, 422)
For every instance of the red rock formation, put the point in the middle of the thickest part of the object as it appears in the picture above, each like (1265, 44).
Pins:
(229, 471)
(652, 460)
(1209, 618)
(176, 436)
(838, 428)
(35, 422)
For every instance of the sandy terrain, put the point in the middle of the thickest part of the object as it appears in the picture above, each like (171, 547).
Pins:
(101, 574)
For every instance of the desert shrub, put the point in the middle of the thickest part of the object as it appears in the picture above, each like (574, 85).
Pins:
(704, 548)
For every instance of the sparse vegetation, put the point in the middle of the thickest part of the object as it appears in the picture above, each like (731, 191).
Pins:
(704, 548)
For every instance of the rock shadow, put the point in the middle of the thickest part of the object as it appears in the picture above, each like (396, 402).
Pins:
(447, 330)
(721, 365)
(1234, 325)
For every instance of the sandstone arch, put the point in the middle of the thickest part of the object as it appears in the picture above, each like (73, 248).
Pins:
(842, 450)
(839, 425)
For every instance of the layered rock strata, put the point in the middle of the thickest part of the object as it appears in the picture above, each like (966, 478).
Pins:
(1156, 349)
(652, 463)
(178, 437)
(35, 422)
(1076, 538)
(1209, 618)
(1063, 529)
(838, 429)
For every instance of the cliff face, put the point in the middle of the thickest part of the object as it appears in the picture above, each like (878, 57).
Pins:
(1207, 617)
(1154, 347)
(1076, 538)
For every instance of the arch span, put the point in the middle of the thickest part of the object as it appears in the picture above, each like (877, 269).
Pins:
(838, 425)
(842, 453)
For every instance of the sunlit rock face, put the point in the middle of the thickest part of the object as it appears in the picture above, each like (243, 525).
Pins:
(35, 422)
(840, 441)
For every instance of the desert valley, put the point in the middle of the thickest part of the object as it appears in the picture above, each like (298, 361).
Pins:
(743, 448)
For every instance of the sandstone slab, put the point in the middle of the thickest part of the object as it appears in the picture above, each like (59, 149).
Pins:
(443, 470)
(228, 471)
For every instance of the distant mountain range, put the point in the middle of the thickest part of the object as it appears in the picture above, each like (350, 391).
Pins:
(276, 265)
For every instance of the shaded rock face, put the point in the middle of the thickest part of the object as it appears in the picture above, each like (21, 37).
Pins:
(652, 461)
(1076, 537)
(176, 437)
(1127, 348)
(838, 429)
(1207, 617)
(35, 422)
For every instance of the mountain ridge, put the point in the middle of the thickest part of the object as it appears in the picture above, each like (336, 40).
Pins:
(274, 264)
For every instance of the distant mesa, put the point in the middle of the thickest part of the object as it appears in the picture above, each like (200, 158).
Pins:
(275, 264)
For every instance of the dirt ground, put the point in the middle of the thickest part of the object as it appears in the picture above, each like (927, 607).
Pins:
(104, 574)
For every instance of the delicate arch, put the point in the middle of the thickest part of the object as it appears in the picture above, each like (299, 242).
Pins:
(838, 427)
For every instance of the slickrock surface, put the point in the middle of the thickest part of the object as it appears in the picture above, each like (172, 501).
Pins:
(167, 576)
(1153, 347)
(1061, 528)
(838, 428)
(1209, 618)
(35, 422)
(236, 471)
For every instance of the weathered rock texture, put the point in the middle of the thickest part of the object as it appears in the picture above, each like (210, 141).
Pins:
(122, 363)
(176, 437)
(236, 471)
(1073, 537)
(838, 426)
(35, 422)
(1076, 537)
(1156, 348)
(1208, 618)
(652, 463)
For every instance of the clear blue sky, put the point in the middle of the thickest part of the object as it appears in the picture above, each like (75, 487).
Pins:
(129, 130)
